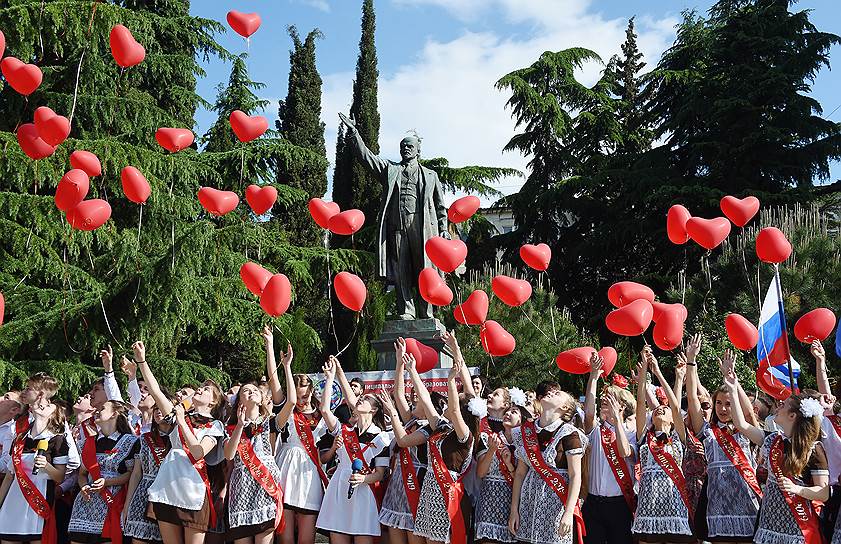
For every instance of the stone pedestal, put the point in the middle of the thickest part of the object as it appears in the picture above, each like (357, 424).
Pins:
(426, 331)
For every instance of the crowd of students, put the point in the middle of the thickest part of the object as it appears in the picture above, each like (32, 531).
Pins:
(272, 460)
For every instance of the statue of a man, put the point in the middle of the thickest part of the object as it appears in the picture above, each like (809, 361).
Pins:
(411, 213)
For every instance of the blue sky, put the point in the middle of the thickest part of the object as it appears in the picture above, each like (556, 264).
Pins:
(438, 60)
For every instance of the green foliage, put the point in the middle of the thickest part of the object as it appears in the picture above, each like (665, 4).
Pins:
(470, 179)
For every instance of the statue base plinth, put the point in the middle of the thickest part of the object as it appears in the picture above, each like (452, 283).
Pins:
(426, 331)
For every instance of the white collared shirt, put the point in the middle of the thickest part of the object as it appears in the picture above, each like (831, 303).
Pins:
(602, 481)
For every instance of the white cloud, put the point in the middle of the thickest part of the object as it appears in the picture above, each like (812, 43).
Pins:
(447, 92)
(321, 5)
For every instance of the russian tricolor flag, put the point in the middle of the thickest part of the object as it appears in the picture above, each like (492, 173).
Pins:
(772, 351)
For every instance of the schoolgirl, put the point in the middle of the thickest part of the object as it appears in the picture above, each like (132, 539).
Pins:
(28, 510)
(180, 497)
(664, 507)
(730, 498)
(107, 463)
(349, 509)
(547, 482)
(496, 466)
(609, 508)
(793, 453)
(154, 446)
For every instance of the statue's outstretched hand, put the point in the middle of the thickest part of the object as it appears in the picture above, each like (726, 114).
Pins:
(347, 121)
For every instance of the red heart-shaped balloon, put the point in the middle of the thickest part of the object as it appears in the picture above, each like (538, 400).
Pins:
(244, 24)
(87, 161)
(496, 341)
(89, 214)
(248, 128)
(24, 78)
(708, 233)
(32, 144)
(739, 210)
(433, 289)
(52, 128)
(218, 202)
(276, 296)
(72, 189)
(661, 308)
(2, 50)
(815, 325)
(322, 211)
(668, 330)
(127, 52)
(347, 222)
(446, 254)
(474, 310)
(463, 209)
(135, 185)
(174, 139)
(623, 293)
(537, 257)
(676, 224)
(260, 198)
(511, 291)
(610, 357)
(576, 360)
(741, 332)
(632, 319)
(350, 290)
(255, 277)
(772, 246)
(426, 358)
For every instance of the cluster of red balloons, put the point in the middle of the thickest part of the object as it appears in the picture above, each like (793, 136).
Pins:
(274, 290)
(577, 360)
(328, 215)
(636, 310)
(710, 233)
(217, 202)
(73, 188)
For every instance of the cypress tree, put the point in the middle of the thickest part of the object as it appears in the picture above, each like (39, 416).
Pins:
(626, 73)
(299, 120)
(174, 283)
(353, 186)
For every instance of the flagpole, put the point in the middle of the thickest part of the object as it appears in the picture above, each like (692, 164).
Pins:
(784, 327)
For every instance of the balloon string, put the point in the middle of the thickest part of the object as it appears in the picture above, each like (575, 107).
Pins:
(278, 329)
(352, 336)
(242, 165)
(533, 323)
(325, 240)
(139, 223)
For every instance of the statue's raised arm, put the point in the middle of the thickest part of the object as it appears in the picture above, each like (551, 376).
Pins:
(373, 162)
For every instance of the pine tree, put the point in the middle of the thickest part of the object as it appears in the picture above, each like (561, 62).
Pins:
(174, 282)
(353, 186)
(637, 135)
(299, 120)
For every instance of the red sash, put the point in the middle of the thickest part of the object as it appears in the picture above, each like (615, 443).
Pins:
(451, 489)
(669, 465)
(836, 423)
(154, 446)
(485, 427)
(551, 478)
(353, 448)
(618, 467)
(261, 474)
(111, 528)
(801, 509)
(302, 427)
(410, 480)
(727, 443)
(201, 467)
(22, 424)
(36, 500)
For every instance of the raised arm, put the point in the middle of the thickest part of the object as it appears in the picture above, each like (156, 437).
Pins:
(163, 402)
(112, 389)
(424, 399)
(453, 408)
(450, 340)
(291, 391)
(371, 161)
(642, 392)
(615, 417)
(271, 364)
(671, 395)
(403, 440)
(399, 390)
(596, 364)
(347, 390)
(819, 354)
(731, 382)
(330, 419)
(129, 367)
(693, 402)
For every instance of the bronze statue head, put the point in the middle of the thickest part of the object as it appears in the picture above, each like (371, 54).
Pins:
(409, 148)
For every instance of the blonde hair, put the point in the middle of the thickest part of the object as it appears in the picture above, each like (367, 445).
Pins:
(626, 400)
